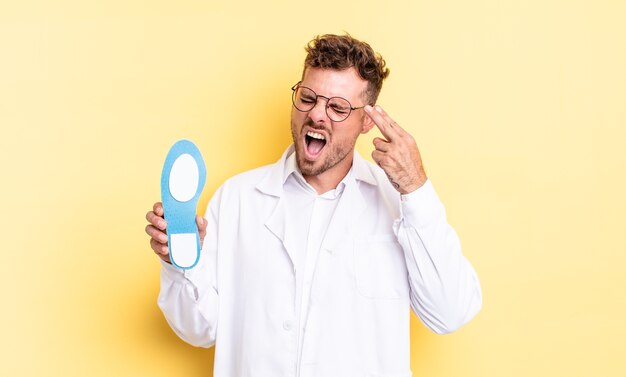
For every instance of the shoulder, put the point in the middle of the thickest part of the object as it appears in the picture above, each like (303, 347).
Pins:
(374, 175)
(248, 179)
(259, 177)
(266, 179)
(238, 188)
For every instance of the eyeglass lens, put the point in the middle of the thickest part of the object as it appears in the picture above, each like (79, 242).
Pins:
(337, 108)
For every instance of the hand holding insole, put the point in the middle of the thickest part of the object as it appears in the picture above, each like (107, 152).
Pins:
(182, 181)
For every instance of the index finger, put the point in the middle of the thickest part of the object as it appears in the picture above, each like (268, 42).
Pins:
(382, 121)
(156, 220)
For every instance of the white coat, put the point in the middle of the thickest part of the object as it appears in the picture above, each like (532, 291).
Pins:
(382, 255)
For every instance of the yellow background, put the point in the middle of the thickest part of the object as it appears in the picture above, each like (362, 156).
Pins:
(518, 108)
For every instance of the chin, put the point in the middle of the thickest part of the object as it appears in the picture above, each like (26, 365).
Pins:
(309, 167)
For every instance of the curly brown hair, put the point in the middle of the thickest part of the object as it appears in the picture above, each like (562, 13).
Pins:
(342, 52)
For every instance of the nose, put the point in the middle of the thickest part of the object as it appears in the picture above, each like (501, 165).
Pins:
(318, 112)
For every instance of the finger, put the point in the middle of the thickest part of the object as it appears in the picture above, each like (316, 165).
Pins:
(158, 208)
(155, 220)
(380, 122)
(392, 126)
(390, 122)
(156, 234)
(200, 221)
(378, 157)
(401, 135)
(202, 224)
(164, 255)
(381, 144)
(159, 248)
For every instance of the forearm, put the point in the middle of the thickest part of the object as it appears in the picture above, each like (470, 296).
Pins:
(445, 291)
(190, 307)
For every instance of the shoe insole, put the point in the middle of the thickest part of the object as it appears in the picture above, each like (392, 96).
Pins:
(182, 181)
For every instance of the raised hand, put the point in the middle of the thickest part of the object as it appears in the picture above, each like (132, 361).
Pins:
(397, 153)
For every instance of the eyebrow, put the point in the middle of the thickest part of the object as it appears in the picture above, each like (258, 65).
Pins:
(308, 87)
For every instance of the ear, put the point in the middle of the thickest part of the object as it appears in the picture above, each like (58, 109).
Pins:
(368, 123)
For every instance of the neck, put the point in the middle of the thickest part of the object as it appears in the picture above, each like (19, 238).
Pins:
(329, 180)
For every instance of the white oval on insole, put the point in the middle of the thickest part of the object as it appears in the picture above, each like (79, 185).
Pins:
(184, 249)
(184, 178)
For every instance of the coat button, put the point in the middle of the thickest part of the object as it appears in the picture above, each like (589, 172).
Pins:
(287, 325)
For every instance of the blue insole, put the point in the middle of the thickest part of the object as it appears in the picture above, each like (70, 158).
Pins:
(182, 181)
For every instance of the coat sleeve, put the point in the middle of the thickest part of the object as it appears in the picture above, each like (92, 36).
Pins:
(445, 291)
(189, 299)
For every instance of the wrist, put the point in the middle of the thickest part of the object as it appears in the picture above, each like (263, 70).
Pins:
(413, 186)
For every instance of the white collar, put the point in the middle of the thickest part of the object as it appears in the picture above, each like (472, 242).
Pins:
(274, 181)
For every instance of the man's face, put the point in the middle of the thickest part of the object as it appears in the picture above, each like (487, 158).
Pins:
(322, 144)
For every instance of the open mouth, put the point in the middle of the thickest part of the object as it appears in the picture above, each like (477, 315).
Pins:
(315, 142)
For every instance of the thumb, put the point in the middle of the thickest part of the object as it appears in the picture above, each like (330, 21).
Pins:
(202, 223)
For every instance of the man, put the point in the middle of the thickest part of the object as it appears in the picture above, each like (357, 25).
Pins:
(310, 266)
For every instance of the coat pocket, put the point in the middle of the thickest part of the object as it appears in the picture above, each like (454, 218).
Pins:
(380, 267)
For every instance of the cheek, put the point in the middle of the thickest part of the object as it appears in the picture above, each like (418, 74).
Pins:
(297, 119)
(348, 132)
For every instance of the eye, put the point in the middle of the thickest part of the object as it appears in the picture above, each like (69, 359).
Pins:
(339, 109)
(306, 99)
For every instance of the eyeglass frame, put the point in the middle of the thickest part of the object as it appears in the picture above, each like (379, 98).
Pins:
(293, 101)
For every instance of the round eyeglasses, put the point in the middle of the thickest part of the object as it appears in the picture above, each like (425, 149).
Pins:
(304, 99)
